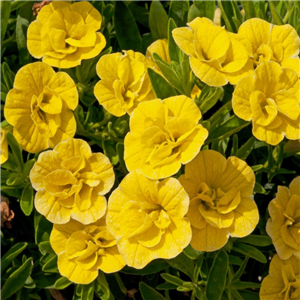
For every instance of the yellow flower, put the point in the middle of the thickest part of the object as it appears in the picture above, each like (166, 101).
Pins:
(70, 182)
(65, 33)
(147, 219)
(124, 82)
(221, 202)
(284, 225)
(216, 56)
(283, 281)
(161, 47)
(84, 249)
(271, 100)
(40, 107)
(268, 42)
(4, 147)
(164, 135)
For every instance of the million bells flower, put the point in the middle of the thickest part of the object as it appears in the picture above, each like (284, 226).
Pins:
(271, 100)
(66, 33)
(84, 249)
(283, 281)
(147, 219)
(268, 42)
(124, 82)
(221, 199)
(284, 225)
(163, 135)
(3, 146)
(216, 56)
(40, 107)
(70, 182)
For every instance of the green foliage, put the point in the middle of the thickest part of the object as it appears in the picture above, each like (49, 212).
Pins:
(29, 263)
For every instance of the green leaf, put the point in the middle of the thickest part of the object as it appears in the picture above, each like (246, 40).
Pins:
(19, 3)
(249, 9)
(154, 267)
(167, 286)
(230, 126)
(234, 260)
(275, 15)
(251, 251)
(51, 264)
(127, 31)
(209, 97)
(217, 276)
(110, 151)
(5, 13)
(247, 295)
(173, 48)
(42, 228)
(246, 149)
(197, 269)
(178, 11)
(172, 279)
(43, 280)
(17, 279)
(11, 191)
(120, 152)
(206, 8)
(158, 21)
(160, 86)
(45, 247)
(227, 14)
(241, 270)
(26, 200)
(87, 291)
(7, 75)
(183, 264)
(258, 189)
(9, 256)
(240, 285)
(256, 240)
(16, 149)
(62, 283)
(193, 13)
(108, 11)
(192, 253)
(24, 18)
(169, 73)
(148, 293)
(140, 13)
(101, 287)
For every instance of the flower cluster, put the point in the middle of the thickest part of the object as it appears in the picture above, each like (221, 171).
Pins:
(150, 214)
(66, 33)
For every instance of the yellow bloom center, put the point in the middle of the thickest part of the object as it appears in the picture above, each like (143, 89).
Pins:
(263, 53)
(86, 246)
(150, 223)
(291, 281)
(45, 112)
(217, 206)
(290, 229)
(73, 183)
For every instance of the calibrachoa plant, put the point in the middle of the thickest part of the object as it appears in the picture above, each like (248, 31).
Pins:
(150, 150)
